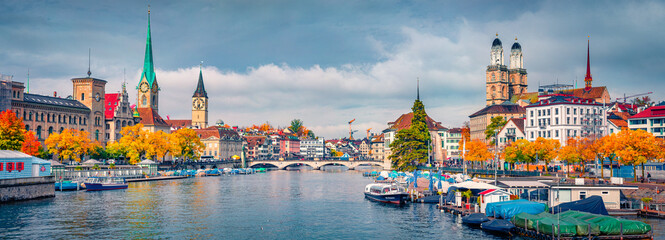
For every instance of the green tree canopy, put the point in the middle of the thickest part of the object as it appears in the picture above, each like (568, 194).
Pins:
(296, 126)
(495, 124)
(410, 146)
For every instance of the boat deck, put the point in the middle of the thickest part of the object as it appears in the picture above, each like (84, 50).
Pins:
(537, 235)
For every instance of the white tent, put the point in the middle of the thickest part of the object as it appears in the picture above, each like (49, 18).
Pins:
(91, 162)
(474, 185)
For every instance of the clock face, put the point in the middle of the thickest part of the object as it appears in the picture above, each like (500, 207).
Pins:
(97, 97)
(144, 87)
(198, 104)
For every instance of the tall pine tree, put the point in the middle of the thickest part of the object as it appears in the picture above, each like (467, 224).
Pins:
(410, 146)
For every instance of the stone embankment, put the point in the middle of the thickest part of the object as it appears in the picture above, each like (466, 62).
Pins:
(18, 189)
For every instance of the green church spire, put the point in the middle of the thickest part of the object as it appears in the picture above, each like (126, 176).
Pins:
(148, 65)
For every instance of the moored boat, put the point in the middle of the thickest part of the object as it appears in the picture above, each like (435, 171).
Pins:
(498, 226)
(386, 193)
(72, 185)
(105, 183)
(475, 219)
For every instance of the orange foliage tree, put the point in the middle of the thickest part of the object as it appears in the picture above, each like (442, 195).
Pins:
(69, 144)
(477, 152)
(186, 144)
(30, 144)
(638, 147)
(12, 131)
(543, 149)
(572, 153)
(516, 152)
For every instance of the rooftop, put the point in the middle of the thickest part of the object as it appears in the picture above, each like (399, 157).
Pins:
(500, 109)
(53, 101)
(657, 111)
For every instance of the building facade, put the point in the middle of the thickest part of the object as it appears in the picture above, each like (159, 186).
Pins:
(200, 104)
(220, 143)
(451, 142)
(118, 114)
(289, 146)
(561, 117)
(481, 119)
(651, 120)
(511, 132)
(312, 148)
(404, 121)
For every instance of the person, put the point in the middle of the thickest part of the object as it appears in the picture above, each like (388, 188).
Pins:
(648, 177)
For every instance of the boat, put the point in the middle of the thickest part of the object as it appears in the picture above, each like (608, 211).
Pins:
(498, 226)
(105, 183)
(386, 193)
(72, 185)
(475, 219)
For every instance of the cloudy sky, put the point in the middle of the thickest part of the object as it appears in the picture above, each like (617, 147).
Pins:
(327, 62)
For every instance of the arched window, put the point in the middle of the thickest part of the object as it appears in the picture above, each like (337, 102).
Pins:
(39, 132)
(124, 123)
(80, 120)
(27, 127)
(97, 135)
(59, 119)
(82, 96)
(62, 129)
(153, 100)
(24, 115)
(493, 89)
(117, 124)
(144, 100)
(30, 116)
(50, 131)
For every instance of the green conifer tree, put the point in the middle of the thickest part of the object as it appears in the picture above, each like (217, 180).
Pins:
(410, 146)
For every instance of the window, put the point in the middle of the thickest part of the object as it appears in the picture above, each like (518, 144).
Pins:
(574, 110)
(538, 112)
(548, 112)
(582, 195)
(532, 122)
(568, 120)
(556, 121)
(556, 133)
(531, 112)
(549, 134)
(567, 110)
(556, 111)
(574, 120)
(605, 193)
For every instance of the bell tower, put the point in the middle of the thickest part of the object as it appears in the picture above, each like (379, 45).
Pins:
(518, 81)
(496, 76)
(148, 89)
(200, 104)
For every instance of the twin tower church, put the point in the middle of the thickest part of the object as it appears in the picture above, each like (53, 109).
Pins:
(505, 82)
(148, 98)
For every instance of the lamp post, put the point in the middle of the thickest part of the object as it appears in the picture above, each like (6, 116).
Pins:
(496, 155)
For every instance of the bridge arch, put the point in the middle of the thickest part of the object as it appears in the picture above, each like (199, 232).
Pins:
(255, 164)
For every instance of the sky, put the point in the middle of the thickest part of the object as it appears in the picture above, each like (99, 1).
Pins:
(328, 62)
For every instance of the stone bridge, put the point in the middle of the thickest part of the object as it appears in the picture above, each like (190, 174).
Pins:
(319, 163)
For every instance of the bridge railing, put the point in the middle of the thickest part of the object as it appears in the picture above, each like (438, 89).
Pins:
(491, 172)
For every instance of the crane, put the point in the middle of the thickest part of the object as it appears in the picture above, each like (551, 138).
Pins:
(632, 96)
(368, 134)
(350, 130)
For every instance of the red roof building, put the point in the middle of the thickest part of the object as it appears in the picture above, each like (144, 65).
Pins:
(651, 120)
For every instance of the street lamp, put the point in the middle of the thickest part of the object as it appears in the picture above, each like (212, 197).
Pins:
(496, 154)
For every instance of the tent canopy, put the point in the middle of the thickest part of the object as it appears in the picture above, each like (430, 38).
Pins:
(91, 162)
(474, 185)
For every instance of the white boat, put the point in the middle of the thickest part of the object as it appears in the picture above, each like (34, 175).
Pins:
(386, 193)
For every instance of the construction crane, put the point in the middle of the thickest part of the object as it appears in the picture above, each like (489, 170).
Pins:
(350, 130)
(632, 96)
(368, 134)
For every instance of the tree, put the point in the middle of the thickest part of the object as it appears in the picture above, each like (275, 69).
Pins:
(133, 144)
(646, 100)
(572, 152)
(158, 145)
(411, 144)
(11, 131)
(69, 144)
(639, 147)
(30, 144)
(478, 152)
(98, 152)
(609, 146)
(515, 153)
(496, 123)
(543, 149)
(185, 144)
(296, 126)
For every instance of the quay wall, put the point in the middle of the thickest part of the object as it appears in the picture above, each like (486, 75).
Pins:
(19, 189)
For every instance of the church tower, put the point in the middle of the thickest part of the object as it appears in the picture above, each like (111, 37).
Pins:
(200, 105)
(496, 76)
(587, 79)
(148, 89)
(518, 82)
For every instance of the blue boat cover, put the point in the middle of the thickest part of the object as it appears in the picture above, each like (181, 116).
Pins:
(507, 211)
(498, 225)
(475, 218)
(380, 178)
(593, 204)
(489, 209)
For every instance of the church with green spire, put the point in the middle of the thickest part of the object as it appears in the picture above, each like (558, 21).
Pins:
(148, 92)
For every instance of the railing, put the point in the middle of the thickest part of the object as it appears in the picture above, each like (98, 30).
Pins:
(491, 172)
(126, 173)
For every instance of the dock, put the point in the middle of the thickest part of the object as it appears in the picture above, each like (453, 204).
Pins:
(651, 213)
(155, 178)
(537, 235)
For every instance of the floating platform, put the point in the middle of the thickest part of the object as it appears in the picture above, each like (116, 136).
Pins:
(155, 178)
(536, 235)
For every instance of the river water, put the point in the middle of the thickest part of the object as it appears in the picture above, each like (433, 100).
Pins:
(273, 205)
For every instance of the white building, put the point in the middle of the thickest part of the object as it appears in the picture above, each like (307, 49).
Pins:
(511, 132)
(651, 120)
(562, 116)
(450, 142)
(312, 148)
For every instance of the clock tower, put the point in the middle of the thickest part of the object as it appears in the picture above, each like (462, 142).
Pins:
(148, 89)
(200, 105)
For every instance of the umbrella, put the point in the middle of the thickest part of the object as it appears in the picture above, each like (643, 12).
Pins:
(415, 180)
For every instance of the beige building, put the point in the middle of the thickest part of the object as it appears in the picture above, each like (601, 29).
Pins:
(611, 194)
(220, 143)
(503, 82)
(481, 119)
(118, 114)
(377, 148)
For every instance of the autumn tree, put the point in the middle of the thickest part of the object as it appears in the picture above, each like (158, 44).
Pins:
(516, 153)
(608, 148)
(477, 152)
(70, 144)
(296, 126)
(410, 147)
(572, 153)
(496, 123)
(158, 145)
(185, 144)
(12, 131)
(638, 147)
(133, 144)
(30, 144)
(543, 149)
